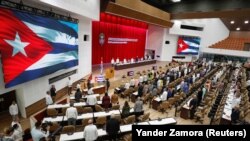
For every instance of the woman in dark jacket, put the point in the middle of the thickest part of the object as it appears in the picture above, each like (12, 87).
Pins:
(106, 101)
(125, 110)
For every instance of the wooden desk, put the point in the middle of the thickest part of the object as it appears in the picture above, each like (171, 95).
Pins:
(132, 65)
(185, 111)
(156, 103)
(97, 89)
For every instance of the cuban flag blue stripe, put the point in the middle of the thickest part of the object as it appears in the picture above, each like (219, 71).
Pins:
(194, 48)
(61, 48)
(187, 53)
(46, 22)
(72, 25)
(26, 75)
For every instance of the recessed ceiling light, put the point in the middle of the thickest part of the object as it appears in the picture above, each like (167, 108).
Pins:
(246, 22)
(232, 22)
(237, 28)
(176, 0)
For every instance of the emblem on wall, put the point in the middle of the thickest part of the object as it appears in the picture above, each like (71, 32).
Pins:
(101, 38)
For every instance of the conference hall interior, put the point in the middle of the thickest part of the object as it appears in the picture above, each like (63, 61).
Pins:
(90, 69)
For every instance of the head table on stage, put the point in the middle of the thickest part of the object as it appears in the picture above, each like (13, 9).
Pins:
(135, 64)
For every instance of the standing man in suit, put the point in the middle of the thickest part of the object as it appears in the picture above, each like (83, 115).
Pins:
(192, 106)
(69, 86)
(53, 93)
(112, 128)
(107, 84)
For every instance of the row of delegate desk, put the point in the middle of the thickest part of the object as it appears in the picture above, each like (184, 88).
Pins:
(135, 64)
(123, 129)
(85, 116)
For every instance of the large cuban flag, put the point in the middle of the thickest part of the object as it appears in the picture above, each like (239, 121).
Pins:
(34, 46)
(188, 45)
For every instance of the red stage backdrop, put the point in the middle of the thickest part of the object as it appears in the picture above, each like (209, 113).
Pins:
(117, 37)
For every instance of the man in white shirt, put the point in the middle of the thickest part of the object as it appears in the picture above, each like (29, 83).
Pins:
(90, 132)
(125, 61)
(132, 60)
(16, 121)
(48, 99)
(117, 61)
(132, 82)
(91, 100)
(145, 78)
(36, 132)
(164, 95)
(78, 86)
(126, 85)
(112, 61)
(141, 78)
(71, 114)
(90, 91)
(69, 86)
(13, 109)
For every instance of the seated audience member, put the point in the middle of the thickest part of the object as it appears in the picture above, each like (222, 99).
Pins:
(117, 61)
(48, 98)
(132, 60)
(164, 95)
(78, 95)
(112, 61)
(8, 132)
(113, 128)
(90, 131)
(235, 115)
(16, 121)
(106, 101)
(138, 107)
(192, 106)
(91, 100)
(17, 134)
(71, 114)
(125, 61)
(125, 110)
(37, 133)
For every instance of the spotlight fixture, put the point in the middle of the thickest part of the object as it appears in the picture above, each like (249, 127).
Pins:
(232, 22)
(176, 0)
(246, 22)
(237, 28)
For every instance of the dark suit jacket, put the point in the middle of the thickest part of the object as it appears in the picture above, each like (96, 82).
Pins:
(112, 126)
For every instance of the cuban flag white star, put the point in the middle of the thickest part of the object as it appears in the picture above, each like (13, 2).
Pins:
(18, 45)
(181, 45)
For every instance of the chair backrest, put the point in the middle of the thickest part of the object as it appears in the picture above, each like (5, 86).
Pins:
(98, 108)
(79, 109)
(68, 129)
(130, 119)
(98, 98)
(52, 112)
(116, 107)
(114, 99)
(54, 127)
(118, 117)
(87, 110)
(101, 120)
(85, 121)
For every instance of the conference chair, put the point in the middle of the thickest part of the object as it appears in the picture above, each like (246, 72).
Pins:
(85, 122)
(98, 108)
(129, 120)
(68, 129)
(164, 106)
(87, 110)
(116, 107)
(52, 112)
(127, 137)
(80, 109)
(144, 117)
(54, 127)
(118, 118)
(101, 121)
